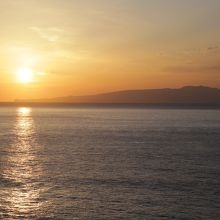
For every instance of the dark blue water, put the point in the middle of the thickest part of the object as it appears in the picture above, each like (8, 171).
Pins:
(116, 163)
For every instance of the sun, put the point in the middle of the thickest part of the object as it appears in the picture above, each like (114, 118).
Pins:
(25, 75)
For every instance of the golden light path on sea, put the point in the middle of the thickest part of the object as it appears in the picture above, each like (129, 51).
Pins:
(23, 168)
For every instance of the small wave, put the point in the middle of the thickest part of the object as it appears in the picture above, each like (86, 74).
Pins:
(5, 182)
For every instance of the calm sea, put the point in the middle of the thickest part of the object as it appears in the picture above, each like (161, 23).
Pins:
(109, 163)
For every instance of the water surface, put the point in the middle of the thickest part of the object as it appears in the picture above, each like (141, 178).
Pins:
(109, 163)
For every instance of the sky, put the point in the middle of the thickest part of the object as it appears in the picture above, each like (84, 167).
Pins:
(71, 47)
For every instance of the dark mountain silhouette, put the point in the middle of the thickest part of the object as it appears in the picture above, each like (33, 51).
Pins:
(186, 95)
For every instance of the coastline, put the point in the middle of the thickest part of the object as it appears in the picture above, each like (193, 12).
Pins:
(112, 105)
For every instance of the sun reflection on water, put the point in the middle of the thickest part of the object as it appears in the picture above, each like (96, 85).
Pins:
(23, 168)
(24, 111)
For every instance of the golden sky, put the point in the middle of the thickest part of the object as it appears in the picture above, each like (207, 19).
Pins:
(51, 48)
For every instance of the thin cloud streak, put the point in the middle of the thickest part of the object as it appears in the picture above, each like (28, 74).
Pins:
(194, 69)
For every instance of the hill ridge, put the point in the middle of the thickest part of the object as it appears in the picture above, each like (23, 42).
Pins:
(183, 95)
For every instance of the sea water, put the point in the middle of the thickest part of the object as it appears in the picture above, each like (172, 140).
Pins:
(109, 163)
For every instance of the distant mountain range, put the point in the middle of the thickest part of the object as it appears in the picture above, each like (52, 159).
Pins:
(194, 95)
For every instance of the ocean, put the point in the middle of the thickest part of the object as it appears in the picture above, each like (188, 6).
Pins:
(109, 163)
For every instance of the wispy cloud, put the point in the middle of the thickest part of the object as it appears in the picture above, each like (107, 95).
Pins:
(51, 34)
(193, 69)
(215, 49)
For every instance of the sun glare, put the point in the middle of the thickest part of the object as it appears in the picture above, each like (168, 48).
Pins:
(25, 75)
